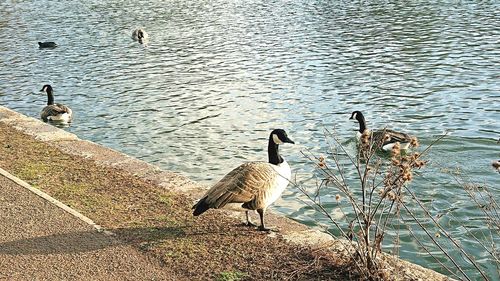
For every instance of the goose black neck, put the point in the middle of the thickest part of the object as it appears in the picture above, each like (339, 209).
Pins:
(362, 123)
(50, 97)
(272, 151)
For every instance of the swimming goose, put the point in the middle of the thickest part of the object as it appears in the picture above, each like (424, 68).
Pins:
(55, 111)
(42, 45)
(140, 35)
(385, 137)
(254, 185)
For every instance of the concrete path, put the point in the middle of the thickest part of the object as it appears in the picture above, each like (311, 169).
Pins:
(41, 241)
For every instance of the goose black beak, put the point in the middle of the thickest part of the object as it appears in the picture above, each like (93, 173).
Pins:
(289, 141)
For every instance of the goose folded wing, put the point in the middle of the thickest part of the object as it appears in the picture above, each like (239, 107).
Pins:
(246, 183)
(56, 109)
(397, 136)
(389, 136)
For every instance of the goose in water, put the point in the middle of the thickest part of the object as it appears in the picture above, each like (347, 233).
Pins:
(140, 35)
(385, 137)
(43, 45)
(254, 185)
(55, 111)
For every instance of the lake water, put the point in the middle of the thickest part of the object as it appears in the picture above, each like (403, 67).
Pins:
(217, 76)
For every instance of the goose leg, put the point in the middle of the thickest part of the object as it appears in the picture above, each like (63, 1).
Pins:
(261, 214)
(249, 222)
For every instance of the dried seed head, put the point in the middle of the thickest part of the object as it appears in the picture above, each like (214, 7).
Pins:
(496, 165)
(414, 142)
(321, 164)
(396, 149)
(366, 136)
(337, 197)
(419, 164)
(391, 195)
(437, 235)
(387, 138)
(407, 176)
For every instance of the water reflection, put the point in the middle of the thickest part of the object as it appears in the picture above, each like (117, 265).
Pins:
(216, 76)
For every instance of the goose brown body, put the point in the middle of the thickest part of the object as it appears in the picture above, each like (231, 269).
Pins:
(384, 138)
(388, 138)
(254, 185)
(249, 184)
(55, 111)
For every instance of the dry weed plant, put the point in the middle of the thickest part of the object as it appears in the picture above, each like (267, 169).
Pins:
(373, 202)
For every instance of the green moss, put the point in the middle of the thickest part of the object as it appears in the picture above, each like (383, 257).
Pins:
(69, 190)
(165, 199)
(231, 276)
(168, 220)
(30, 171)
(181, 248)
(83, 197)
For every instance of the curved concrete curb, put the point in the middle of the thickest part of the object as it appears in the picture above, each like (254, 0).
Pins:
(53, 201)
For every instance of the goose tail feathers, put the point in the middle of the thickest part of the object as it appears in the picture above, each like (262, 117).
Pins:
(200, 207)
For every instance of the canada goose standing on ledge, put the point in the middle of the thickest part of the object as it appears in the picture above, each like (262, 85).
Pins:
(44, 45)
(255, 185)
(55, 111)
(385, 137)
(140, 35)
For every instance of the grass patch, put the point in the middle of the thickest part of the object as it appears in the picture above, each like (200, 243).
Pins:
(32, 171)
(165, 199)
(70, 190)
(231, 276)
(182, 248)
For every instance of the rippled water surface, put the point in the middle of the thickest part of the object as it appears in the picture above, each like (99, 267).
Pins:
(216, 76)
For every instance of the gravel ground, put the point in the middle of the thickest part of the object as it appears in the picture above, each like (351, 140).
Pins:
(40, 241)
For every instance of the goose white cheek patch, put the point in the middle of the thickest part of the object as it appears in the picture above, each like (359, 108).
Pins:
(276, 139)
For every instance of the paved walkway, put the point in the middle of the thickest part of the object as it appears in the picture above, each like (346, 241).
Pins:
(41, 241)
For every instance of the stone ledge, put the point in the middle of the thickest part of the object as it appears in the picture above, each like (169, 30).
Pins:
(33, 127)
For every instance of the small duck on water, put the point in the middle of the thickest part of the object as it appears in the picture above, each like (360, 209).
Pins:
(55, 111)
(47, 45)
(140, 35)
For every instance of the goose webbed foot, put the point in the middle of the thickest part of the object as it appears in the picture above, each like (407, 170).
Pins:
(249, 224)
(262, 227)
